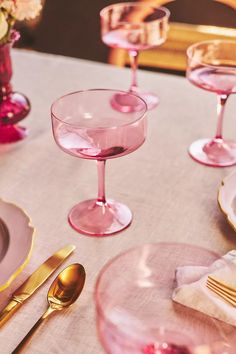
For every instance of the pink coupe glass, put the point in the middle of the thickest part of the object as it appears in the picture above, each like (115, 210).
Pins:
(221, 347)
(86, 125)
(134, 26)
(212, 66)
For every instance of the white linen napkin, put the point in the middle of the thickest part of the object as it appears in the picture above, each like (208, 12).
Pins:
(192, 291)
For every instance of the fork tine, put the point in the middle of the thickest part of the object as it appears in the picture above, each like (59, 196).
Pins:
(222, 295)
(222, 288)
(222, 284)
(223, 291)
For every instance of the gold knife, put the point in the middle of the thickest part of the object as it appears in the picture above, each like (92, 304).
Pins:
(34, 281)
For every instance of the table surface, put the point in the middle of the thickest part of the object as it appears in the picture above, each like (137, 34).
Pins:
(172, 197)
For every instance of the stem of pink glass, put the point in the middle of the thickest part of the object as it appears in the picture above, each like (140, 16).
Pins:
(221, 100)
(101, 181)
(133, 55)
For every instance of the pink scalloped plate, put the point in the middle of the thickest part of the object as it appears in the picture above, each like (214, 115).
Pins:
(227, 198)
(16, 242)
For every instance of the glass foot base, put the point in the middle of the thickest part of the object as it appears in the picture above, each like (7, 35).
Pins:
(95, 218)
(12, 134)
(214, 152)
(13, 108)
(127, 103)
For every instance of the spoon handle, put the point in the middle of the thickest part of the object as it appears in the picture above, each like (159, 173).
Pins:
(28, 336)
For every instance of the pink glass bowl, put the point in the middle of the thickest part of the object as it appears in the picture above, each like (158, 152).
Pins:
(135, 312)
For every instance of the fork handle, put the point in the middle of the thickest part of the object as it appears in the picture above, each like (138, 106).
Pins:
(29, 335)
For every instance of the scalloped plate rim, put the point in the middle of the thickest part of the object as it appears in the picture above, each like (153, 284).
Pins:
(219, 199)
(25, 261)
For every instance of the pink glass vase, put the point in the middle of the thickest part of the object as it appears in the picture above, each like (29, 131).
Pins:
(13, 105)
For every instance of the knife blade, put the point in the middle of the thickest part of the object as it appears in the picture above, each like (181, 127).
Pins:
(34, 281)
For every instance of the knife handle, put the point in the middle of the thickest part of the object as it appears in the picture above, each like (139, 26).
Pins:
(8, 311)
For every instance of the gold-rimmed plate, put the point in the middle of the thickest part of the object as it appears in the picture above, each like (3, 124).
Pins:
(16, 242)
(227, 198)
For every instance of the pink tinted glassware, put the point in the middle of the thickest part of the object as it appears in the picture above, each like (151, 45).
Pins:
(14, 106)
(135, 311)
(222, 347)
(86, 125)
(134, 26)
(212, 66)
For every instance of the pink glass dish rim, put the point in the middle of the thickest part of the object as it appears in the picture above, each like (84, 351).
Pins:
(166, 12)
(142, 113)
(212, 41)
(99, 306)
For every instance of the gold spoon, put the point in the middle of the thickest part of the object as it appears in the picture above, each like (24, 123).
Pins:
(63, 292)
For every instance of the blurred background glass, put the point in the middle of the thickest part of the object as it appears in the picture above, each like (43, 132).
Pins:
(73, 28)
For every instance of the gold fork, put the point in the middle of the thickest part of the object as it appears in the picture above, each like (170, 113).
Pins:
(221, 284)
(227, 292)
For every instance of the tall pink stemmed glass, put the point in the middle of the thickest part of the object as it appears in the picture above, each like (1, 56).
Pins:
(212, 66)
(86, 125)
(134, 26)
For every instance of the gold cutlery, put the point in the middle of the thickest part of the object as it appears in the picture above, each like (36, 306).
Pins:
(222, 293)
(227, 292)
(222, 285)
(34, 281)
(63, 292)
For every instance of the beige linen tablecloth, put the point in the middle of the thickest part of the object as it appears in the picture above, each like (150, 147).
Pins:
(172, 197)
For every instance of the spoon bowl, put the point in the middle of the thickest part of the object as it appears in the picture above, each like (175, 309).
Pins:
(67, 286)
(63, 292)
